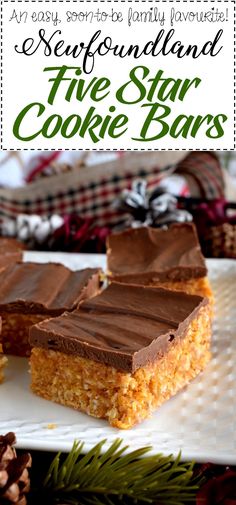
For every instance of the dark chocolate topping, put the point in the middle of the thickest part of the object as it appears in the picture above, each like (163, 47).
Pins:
(45, 288)
(125, 326)
(148, 255)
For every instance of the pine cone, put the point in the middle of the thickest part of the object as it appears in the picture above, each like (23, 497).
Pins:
(14, 477)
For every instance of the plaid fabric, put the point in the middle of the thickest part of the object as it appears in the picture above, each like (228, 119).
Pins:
(203, 173)
(90, 192)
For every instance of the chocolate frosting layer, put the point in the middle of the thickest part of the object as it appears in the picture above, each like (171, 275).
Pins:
(125, 326)
(148, 255)
(45, 288)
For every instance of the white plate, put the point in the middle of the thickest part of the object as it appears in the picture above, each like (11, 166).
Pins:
(199, 421)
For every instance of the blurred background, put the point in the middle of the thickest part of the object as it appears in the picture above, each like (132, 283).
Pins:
(72, 200)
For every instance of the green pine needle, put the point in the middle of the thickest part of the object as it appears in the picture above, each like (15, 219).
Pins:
(116, 477)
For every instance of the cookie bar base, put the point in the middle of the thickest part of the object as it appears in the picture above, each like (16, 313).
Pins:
(200, 286)
(3, 362)
(15, 332)
(124, 399)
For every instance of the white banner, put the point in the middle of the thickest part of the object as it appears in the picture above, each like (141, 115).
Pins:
(114, 74)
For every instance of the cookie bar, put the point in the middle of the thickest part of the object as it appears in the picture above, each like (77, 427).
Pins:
(3, 359)
(31, 292)
(169, 258)
(122, 353)
(11, 251)
(3, 362)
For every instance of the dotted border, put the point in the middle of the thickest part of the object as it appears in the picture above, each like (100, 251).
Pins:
(110, 1)
(1, 76)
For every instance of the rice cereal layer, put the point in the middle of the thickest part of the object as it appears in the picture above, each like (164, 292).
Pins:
(124, 399)
(199, 286)
(15, 332)
(3, 362)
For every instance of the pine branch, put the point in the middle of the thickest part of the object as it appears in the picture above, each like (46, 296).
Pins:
(117, 477)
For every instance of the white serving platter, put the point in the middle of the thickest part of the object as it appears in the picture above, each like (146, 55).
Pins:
(200, 421)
